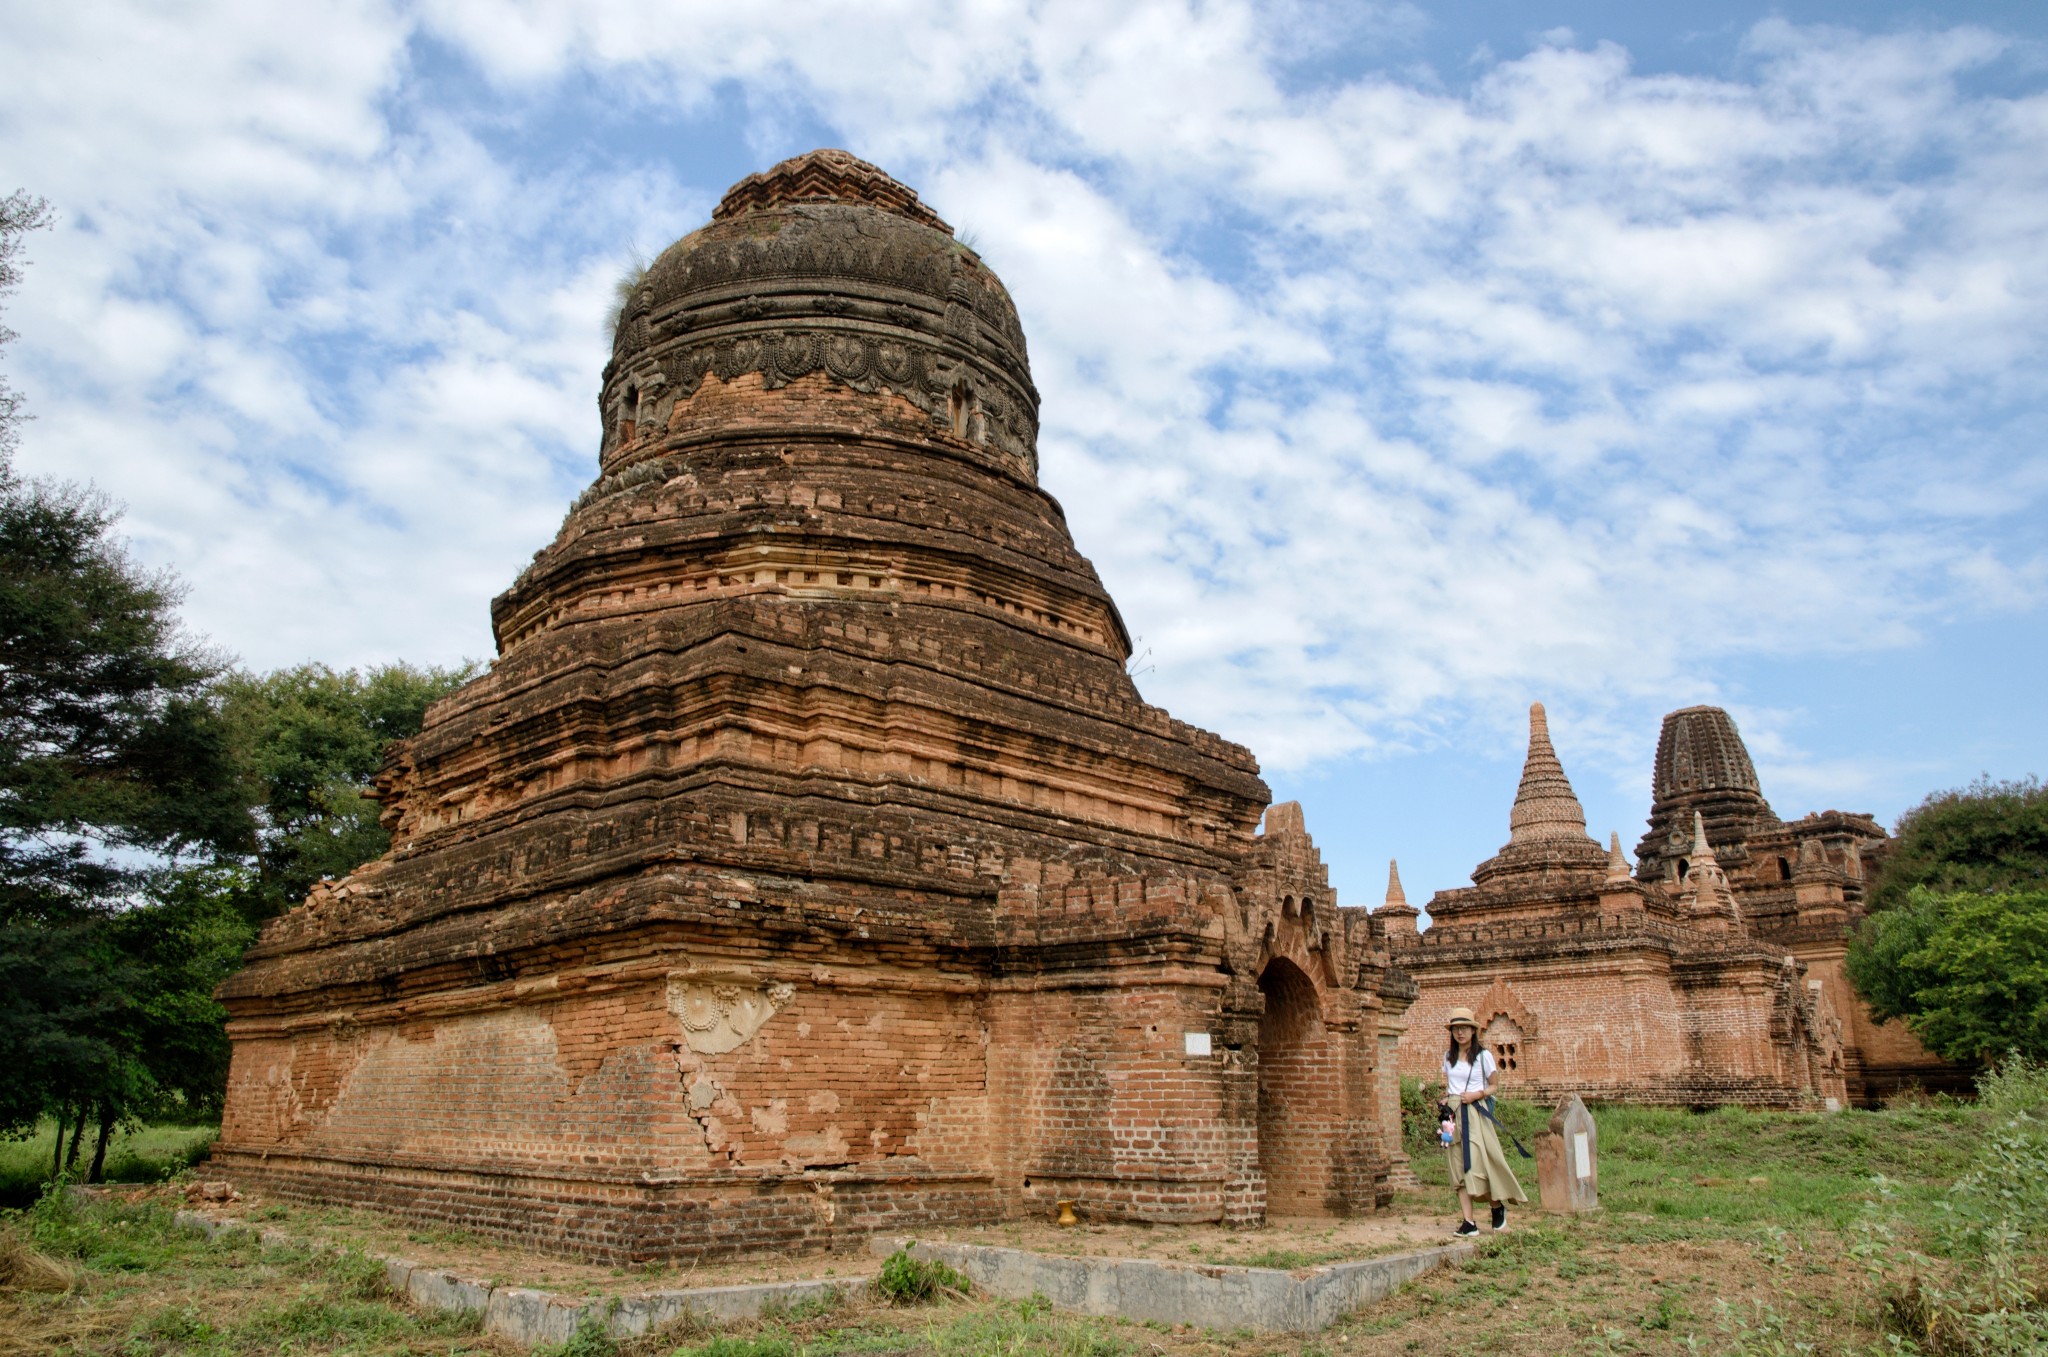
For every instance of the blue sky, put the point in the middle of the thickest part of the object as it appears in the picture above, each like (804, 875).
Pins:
(1401, 364)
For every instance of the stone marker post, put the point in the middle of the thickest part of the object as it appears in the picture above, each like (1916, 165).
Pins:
(1568, 1160)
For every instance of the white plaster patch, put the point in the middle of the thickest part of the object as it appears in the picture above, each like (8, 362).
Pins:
(828, 1147)
(719, 1013)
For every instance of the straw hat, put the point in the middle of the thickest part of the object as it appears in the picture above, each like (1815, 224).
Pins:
(1462, 1017)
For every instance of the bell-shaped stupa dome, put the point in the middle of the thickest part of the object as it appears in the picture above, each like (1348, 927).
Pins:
(824, 264)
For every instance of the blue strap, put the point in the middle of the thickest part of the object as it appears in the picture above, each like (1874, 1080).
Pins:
(1485, 1106)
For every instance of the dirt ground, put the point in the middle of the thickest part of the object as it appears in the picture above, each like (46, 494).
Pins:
(1281, 1243)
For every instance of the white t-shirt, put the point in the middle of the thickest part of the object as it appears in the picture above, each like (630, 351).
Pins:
(1462, 1078)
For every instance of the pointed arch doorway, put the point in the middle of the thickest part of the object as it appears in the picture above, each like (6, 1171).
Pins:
(1299, 1095)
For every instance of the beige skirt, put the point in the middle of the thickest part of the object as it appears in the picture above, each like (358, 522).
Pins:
(1489, 1177)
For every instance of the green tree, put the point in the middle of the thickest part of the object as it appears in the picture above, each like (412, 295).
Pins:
(153, 806)
(113, 759)
(19, 215)
(1988, 837)
(112, 754)
(309, 740)
(1967, 972)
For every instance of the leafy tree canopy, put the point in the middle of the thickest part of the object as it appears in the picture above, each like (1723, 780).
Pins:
(1987, 837)
(309, 740)
(113, 754)
(19, 215)
(1967, 972)
(115, 762)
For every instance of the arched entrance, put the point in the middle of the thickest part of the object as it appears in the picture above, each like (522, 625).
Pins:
(1299, 1095)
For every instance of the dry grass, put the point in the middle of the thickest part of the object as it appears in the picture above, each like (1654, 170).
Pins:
(23, 1267)
(140, 1286)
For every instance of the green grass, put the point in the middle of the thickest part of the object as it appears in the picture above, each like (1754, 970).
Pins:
(1817, 1170)
(147, 1154)
(1832, 1234)
(1696, 1167)
(1025, 1328)
(151, 1289)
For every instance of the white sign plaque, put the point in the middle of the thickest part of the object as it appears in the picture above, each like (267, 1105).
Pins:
(1198, 1043)
(1582, 1156)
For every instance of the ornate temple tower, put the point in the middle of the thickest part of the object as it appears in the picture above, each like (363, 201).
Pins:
(807, 862)
(1711, 973)
(1703, 769)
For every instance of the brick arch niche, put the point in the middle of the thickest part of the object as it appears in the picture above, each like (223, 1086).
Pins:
(1504, 1037)
(1301, 1120)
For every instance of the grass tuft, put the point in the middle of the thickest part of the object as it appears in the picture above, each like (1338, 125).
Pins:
(590, 1340)
(905, 1280)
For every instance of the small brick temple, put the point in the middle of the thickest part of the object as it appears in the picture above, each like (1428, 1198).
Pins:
(806, 864)
(1709, 973)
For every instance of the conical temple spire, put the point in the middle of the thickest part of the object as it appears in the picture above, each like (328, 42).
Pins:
(1545, 806)
(1400, 919)
(1617, 861)
(1708, 897)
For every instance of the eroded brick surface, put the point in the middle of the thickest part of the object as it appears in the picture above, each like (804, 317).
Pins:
(806, 864)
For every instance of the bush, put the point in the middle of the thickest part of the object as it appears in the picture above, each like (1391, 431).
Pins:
(2015, 1084)
(905, 1280)
(1974, 1296)
(1968, 973)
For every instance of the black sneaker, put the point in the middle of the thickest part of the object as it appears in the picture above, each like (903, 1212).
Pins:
(1500, 1217)
(1465, 1228)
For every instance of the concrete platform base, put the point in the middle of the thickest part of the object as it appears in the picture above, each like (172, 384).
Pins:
(528, 1317)
(1212, 1297)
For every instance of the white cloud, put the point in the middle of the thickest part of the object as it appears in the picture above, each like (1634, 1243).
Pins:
(1379, 406)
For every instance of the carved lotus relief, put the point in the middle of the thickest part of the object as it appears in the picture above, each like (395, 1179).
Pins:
(718, 1014)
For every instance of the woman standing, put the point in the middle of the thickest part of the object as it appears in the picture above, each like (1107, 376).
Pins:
(1472, 1149)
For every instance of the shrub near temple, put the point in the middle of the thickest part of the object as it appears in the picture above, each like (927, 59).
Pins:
(1967, 972)
(1989, 838)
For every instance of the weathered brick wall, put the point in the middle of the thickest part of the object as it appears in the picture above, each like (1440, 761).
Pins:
(602, 1094)
(681, 1218)
(1100, 1102)
(1608, 1022)
(1879, 1058)
(1303, 1129)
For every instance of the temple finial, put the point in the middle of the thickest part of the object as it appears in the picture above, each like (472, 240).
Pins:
(1708, 897)
(1618, 868)
(1401, 921)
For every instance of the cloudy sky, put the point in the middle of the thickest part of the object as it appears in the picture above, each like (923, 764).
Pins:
(1401, 363)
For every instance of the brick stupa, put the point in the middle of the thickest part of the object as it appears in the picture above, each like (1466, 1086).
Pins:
(806, 864)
